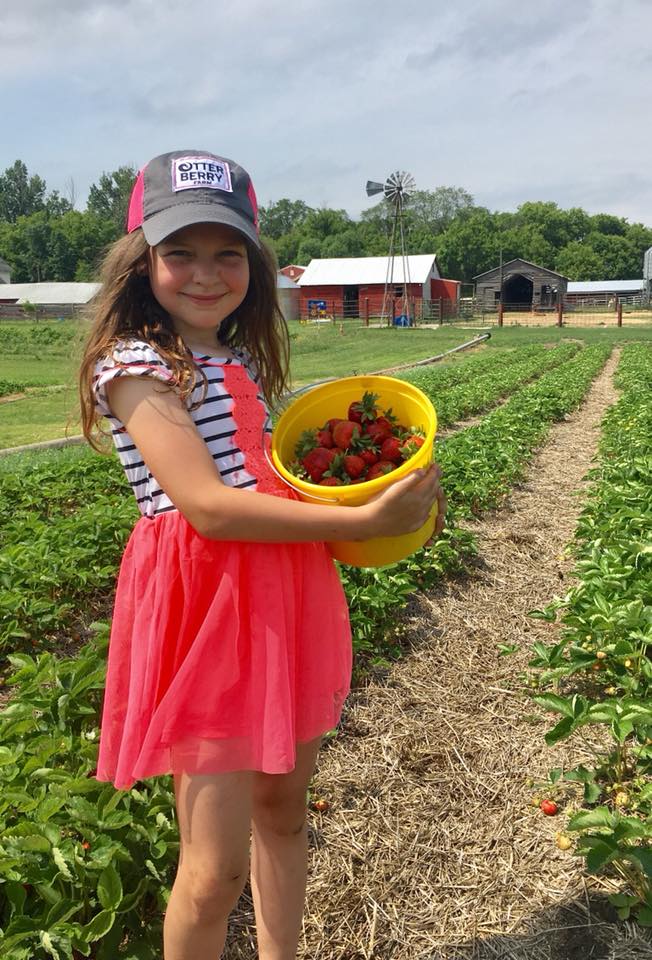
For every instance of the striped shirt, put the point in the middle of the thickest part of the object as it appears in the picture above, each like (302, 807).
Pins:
(213, 418)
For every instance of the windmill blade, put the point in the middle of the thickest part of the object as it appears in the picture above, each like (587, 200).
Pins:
(398, 186)
(373, 188)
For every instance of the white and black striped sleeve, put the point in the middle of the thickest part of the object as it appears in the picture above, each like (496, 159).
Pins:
(135, 359)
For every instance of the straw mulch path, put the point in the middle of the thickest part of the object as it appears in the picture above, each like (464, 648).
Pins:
(431, 848)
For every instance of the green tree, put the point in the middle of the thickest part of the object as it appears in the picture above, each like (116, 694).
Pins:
(579, 261)
(344, 244)
(109, 199)
(435, 210)
(324, 222)
(281, 217)
(20, 194)
(309, 249)
(608, 224)
(469, 246)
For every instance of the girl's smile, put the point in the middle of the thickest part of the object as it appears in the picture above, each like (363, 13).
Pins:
(200, 275)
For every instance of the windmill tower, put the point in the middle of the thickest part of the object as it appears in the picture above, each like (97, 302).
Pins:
(396, 191)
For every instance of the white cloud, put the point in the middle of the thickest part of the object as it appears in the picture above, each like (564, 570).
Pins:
(510, 100)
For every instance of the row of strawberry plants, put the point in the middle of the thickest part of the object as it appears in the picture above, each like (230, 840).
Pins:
(479, 465)
(10, 386)
(82, 867)
(483, 391)
(598, 677)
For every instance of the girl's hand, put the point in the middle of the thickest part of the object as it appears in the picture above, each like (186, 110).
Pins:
(405, 505)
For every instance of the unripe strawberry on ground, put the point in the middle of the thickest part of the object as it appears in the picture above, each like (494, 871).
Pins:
(563, 841)
(549, 807)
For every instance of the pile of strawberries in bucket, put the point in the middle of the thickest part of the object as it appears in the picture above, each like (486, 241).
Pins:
(368, 444)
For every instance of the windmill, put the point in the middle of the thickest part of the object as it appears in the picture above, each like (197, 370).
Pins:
(396, 191)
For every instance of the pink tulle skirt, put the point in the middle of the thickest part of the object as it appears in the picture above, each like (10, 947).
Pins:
(223, 655)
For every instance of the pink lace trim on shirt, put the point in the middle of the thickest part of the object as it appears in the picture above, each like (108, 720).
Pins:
(250, 417)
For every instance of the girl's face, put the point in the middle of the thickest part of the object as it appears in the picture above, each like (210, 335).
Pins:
(200, 275)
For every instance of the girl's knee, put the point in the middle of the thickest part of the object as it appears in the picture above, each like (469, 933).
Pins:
(211, 894)
(279, 813)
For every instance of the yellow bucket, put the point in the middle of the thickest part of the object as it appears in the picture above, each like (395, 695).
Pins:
(410, 406)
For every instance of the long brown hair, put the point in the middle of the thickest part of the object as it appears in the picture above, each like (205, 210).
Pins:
(125, 309)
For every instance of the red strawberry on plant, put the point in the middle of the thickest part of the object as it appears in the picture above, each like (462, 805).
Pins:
(344, 433)
(317, 462)
(380, 469)
(391, 450)
(364, 411)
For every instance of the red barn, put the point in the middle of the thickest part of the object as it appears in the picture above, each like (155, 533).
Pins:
(355, 286)
(293, 271)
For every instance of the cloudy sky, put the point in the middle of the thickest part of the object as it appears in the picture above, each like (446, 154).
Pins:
(513, 100)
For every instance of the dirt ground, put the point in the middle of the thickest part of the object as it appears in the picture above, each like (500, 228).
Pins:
(431, 848)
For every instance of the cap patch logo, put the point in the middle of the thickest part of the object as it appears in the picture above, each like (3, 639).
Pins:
(191, 172)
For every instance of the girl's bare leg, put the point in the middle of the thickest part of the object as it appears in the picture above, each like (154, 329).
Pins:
(279, 858)
(214, 815)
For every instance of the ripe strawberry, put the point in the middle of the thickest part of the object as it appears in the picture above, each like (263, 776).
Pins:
(549, 807)
(317, 462)
(325, 438)
(369, 455)
(410, 446)
(330, 482)
(344, 433)
(391, 450)
(380, 469)
(354, 466)
(363, 411)
(332, 423)
(307, 441)
(378, 430)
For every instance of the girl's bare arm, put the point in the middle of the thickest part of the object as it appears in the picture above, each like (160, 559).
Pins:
(165, 434)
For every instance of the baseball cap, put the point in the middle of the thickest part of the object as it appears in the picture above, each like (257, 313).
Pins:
(179, 189)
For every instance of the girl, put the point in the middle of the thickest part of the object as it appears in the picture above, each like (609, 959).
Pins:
(230, 651)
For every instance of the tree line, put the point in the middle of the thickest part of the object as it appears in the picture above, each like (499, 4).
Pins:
(44, 238)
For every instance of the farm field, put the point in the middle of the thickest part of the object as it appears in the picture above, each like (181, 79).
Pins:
(34, 357)
(431, 847)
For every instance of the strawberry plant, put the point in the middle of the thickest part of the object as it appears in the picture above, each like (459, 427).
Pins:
(600, 672)
(84, 868)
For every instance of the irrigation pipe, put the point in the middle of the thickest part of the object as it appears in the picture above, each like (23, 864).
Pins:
(69, 441)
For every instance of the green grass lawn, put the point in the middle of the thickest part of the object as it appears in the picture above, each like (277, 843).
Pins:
(27, 355)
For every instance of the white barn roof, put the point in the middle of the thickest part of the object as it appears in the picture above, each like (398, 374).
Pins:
(362, 270)
(606, 286)
(52, 293)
